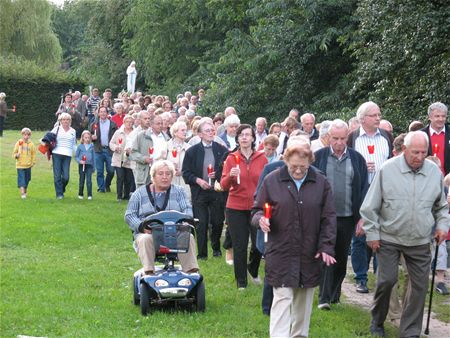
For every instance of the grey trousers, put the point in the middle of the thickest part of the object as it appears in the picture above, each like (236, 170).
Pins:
(418, 259)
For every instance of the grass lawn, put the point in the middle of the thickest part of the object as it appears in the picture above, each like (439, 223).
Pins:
(67, 267)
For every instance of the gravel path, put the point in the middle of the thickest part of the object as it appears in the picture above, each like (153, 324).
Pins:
(438, 329)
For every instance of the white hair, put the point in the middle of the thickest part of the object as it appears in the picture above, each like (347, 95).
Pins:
(298, 140)
(415, 134)
(174, 128)
(338, 124)
(364, 109)
(159, 164)
(261, 119)
(324, 128)
(437, 106)
(231, 119)
(117, 105)
(307, 115)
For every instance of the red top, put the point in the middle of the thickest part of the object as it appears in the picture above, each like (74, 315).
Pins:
(240, 196)
(440, 141)
(118, 119)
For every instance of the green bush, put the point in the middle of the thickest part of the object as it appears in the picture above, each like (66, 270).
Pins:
(35, 91)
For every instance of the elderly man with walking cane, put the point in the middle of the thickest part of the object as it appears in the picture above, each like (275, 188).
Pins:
(403, 203)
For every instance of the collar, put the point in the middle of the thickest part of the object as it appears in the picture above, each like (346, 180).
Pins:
(344, 154)
(206, 145)
(285, 176)
(363, 132)
(103, 121)
(405, 168)
(433, 131)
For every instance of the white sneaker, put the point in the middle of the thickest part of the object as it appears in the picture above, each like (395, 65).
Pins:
(89, 197)
(324, 306)
(24, 196)
(80, 197)
(256, 281)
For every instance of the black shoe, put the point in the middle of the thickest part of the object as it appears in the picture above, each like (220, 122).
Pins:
(108, 189)
(376, 331)
(100, 191)
(441, 288)
(362, 288)
(203, 258)
(217, 253)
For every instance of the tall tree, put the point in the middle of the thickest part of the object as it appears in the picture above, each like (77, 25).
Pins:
(403, 56)
(25, 31)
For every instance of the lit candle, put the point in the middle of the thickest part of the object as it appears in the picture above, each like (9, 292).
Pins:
(95, 128)
(268, 215)
(83, 158)
(210, 170)
(238, 160)
(435, 149)
(150, 151)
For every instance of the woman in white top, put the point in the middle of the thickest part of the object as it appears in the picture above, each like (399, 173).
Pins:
(62, 154)
(176, 149)
(120, 144)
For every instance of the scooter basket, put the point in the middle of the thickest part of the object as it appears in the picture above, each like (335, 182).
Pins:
(174, 237)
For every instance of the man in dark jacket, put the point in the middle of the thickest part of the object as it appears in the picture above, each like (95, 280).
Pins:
(438, 133)
(102, 131)
(205, 201)
(346, 171)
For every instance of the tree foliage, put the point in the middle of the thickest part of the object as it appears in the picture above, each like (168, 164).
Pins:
(402, 53)
(25, 31)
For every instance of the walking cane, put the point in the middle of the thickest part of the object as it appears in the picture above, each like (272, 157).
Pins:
(433, 268)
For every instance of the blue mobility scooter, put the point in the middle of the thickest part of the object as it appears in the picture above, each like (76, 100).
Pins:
(171, 232)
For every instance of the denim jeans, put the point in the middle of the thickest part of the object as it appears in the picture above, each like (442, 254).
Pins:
(85, 175)
(61, 171)
(102, 160)
(23, 177)
(361, 255)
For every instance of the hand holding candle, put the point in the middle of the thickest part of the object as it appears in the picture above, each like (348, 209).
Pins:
(210, 171)
(83, 158)
(268, 215)
(435, 149)
(238, 160)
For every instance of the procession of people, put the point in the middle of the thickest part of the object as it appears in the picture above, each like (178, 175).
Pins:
(318, 191)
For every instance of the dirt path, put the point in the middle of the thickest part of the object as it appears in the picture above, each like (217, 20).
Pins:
(438, 329)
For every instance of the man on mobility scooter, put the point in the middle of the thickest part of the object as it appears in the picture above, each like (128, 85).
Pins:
(158, 196)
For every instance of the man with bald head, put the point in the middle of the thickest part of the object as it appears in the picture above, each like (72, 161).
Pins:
(405, 200)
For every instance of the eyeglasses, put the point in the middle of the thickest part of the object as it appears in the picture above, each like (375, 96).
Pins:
(245, 135)
(207, 131)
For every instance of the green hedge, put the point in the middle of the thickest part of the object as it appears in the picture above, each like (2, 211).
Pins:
(36, 93)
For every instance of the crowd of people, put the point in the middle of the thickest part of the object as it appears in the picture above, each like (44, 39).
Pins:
(305, 194)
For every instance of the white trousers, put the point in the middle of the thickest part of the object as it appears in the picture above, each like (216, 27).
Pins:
(291, 312)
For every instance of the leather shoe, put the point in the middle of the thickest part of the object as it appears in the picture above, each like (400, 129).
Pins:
(217, 253)
(377, 330)
(362, 288)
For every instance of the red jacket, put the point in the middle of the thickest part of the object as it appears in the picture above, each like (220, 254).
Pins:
(240, 196)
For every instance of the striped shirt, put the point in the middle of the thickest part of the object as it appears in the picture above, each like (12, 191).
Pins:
(66, 141)
(139, 206)
(381, 149)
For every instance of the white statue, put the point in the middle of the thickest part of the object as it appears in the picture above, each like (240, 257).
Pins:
(131, 77)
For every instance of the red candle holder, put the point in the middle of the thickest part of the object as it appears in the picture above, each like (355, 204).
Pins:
(150, 151)
(435, 149)
(83, 158)
(174, 152)
(267, 210)
(120, 140)
(371, 149)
